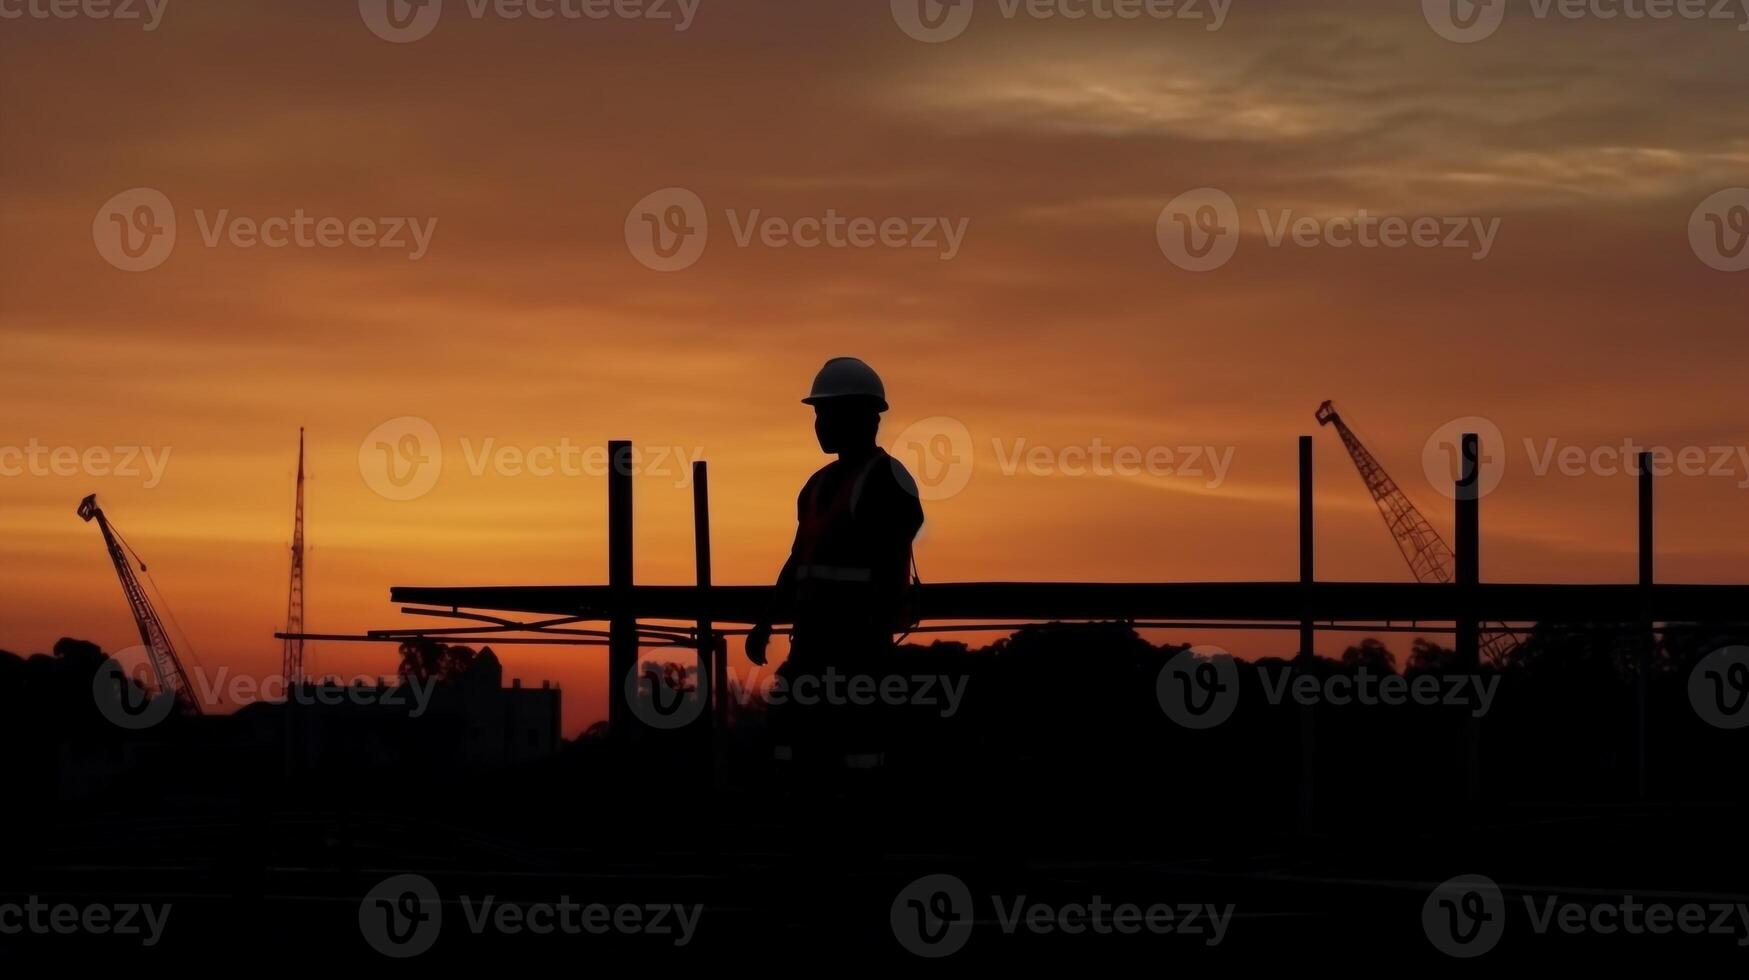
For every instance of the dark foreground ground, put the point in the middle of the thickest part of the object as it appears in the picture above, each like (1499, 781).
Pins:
(825, 881)
(1062, 817)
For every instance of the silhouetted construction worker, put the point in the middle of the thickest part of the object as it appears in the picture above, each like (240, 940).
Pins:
(845, 586)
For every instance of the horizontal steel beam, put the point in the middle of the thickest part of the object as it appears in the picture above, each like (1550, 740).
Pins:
(1242, 601)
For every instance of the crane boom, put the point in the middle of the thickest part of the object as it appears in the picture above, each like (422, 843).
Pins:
(165, 665)
(1430, 558)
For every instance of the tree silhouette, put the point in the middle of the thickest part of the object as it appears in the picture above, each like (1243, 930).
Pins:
(429, 660)
(1370, 654)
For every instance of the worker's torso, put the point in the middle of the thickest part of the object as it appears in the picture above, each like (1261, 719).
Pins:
(853, 554)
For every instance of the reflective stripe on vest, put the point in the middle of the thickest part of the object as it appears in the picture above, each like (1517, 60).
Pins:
(834, 573)
(831, 546)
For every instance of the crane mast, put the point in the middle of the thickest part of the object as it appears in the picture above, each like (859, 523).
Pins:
(292, 655)
(1430, 559)
(165, 665)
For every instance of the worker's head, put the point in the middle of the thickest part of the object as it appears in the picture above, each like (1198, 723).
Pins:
(847, 424)
(848, 399)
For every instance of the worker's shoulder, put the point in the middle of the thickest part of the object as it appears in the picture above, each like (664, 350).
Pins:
(812, 482)
(889, 477)
(824, 480)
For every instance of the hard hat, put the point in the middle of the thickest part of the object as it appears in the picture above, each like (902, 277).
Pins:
(847, 377)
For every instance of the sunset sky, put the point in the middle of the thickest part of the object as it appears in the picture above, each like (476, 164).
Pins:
(1060, 322)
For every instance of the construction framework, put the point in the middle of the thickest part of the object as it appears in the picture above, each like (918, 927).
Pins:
(688, 616)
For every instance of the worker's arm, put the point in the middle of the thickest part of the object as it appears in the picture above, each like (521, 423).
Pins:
(782, 602)
(901, 517)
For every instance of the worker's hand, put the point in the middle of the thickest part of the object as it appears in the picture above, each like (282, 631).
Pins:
(757, 640)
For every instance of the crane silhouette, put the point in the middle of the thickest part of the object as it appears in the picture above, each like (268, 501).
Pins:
(1430, 558)
(166, 666)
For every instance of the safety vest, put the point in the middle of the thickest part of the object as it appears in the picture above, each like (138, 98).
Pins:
(836, 559)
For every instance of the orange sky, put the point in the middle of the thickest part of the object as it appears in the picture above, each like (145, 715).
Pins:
(1059, 322)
